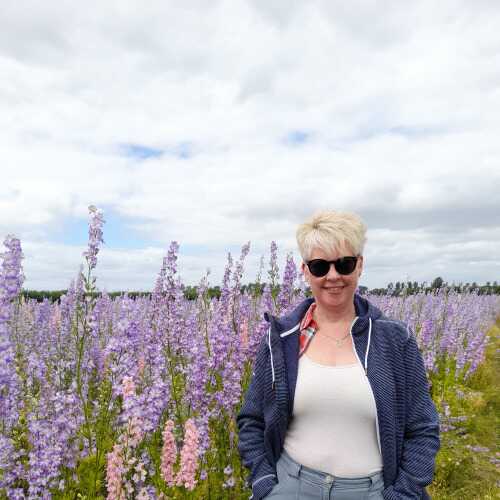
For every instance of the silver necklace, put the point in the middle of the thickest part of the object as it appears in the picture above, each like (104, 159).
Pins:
(338, 342)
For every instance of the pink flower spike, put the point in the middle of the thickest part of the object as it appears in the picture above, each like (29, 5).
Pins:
(135, 431)
(189, 456)
(128, 387)
(168, 454)
(114, 471)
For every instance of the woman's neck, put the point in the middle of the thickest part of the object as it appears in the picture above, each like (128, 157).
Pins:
(325, 315)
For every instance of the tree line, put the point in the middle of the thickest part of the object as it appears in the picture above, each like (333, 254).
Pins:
(412, 287)
(397, 289)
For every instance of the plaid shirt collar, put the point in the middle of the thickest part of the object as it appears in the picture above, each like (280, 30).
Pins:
(308, 328)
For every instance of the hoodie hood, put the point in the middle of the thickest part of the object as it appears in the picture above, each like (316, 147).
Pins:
(366, 312)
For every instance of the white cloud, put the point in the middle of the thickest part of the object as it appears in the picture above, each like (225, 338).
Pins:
(399, 103)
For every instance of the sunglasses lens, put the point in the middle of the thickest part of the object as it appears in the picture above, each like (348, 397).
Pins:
(319, 267)
(346, 265)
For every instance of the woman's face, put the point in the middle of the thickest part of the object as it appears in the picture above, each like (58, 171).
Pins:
(334, 290)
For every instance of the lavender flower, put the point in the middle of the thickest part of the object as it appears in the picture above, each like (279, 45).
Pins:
(287, 290)
(11, 279)
(95, 236)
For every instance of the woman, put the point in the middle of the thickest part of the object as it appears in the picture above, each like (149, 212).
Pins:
(338, 406)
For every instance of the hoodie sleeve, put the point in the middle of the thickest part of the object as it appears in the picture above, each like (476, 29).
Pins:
(251, 427)
(421, 438)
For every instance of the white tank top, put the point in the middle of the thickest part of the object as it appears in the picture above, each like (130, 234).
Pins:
(334, 420)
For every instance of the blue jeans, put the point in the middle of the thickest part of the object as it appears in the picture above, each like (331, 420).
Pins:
(296, 481)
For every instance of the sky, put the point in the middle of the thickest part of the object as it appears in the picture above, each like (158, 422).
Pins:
(217, 123)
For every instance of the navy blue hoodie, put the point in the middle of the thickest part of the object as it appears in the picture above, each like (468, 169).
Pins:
(407, 421)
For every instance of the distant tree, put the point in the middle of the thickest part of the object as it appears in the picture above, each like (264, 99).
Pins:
(437, 283)
(191, 292)
(254, 289)
(41, 295)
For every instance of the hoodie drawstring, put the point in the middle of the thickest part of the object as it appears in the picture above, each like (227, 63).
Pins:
(271, 353)
(368, 345)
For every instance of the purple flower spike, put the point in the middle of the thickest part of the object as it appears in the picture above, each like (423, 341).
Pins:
(95, 236)
(286, 295)
(11, 279)
(11, 276)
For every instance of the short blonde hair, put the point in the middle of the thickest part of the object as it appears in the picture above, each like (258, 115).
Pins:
(329, 230)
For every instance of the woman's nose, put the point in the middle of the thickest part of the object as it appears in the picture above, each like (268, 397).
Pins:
(332, 273)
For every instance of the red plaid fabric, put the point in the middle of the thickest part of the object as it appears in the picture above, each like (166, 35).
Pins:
(308, 328)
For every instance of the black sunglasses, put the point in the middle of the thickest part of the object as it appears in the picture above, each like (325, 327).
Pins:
(320, 267)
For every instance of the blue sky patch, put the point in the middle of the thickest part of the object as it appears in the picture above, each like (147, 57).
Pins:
(139, 151)
(183, 150)
(297, 137)
(118, 232)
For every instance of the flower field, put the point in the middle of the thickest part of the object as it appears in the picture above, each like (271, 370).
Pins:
(137, 398)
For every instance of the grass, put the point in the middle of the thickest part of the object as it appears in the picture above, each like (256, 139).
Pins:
(469, 460)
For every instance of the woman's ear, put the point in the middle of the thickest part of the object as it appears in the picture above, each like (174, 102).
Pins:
(303, 268)
(361, 261)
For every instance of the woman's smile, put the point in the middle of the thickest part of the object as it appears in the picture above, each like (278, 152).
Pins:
(334, 289)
